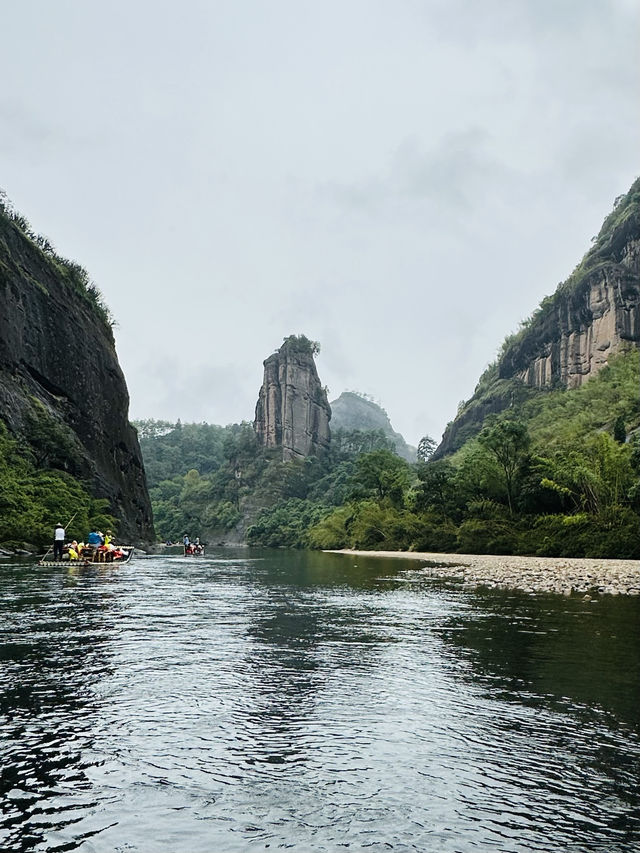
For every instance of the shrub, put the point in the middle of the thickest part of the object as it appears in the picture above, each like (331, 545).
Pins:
(332, 531)
(434, 534)
(486, 536)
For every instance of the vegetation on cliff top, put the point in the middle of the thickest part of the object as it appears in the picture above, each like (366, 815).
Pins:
(69, 273)
(300, 345)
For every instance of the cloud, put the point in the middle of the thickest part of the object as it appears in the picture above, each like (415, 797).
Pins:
(22, 130)
(29, 134)
(448, 175)
(402, 182)
(215, 393)
(496, 21)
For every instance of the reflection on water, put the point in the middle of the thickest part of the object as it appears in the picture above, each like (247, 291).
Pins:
(253, 700)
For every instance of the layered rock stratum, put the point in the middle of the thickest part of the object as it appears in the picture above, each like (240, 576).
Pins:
(60, 377)
(591, 316)
(292, 411)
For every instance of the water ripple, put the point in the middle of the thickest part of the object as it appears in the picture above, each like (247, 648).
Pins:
(295, 701)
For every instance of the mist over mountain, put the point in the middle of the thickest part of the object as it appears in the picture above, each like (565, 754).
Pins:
(355, 411)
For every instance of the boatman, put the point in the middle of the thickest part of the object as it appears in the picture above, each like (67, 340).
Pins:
(185, 542)
(58, 542)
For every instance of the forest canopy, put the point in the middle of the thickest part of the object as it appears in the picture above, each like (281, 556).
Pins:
(555, 474)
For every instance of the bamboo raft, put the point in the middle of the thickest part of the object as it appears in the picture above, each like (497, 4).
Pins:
(98, 558)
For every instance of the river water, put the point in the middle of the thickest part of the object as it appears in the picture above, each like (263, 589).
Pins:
(317, 702)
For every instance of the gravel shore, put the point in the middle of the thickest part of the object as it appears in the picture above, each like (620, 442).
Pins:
(564, 575)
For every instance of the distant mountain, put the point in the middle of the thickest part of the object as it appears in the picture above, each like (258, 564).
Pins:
(571, 336)
(354, 411)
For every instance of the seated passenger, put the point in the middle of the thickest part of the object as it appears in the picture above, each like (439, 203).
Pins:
(94, 539)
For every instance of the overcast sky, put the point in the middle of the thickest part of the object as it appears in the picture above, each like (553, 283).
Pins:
(402, 181)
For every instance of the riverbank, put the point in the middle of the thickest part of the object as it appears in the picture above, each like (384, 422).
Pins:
(565, 575)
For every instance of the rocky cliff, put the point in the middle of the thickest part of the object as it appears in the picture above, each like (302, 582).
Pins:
(354, 411)
(61, 388)
(292, 410)
(592, 315)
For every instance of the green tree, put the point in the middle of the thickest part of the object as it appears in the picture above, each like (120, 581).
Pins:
(348, 443)
(508, 440)
(597, 473)
(286, 524)
(436, 488)
(619, 430)
(382, 474)
(426, 448)
(477, 477)
(151, 428)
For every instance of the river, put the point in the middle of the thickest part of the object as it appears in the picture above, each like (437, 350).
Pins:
(253, 700)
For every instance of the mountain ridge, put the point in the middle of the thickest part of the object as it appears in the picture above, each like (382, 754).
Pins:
(572, 334)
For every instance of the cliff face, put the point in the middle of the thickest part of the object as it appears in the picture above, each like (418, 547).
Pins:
(352, 411)
(59, 371)
(591, 316)
(292, 410)
(572, 339)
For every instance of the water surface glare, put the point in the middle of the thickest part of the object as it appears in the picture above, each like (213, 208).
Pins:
(253, 700)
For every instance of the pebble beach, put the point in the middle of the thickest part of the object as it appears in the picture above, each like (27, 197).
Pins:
(564, 575)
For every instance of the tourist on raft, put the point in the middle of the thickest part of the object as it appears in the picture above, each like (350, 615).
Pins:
(192, 547)
(95, 539)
